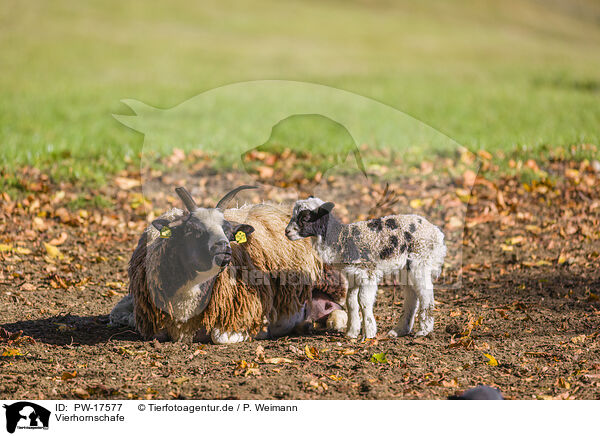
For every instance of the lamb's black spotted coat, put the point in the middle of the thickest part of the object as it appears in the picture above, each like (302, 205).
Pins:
(380, 239)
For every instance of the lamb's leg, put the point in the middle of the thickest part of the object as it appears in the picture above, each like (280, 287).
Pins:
(353, 318)
(424, 290)
(366, 299)
(409, 309)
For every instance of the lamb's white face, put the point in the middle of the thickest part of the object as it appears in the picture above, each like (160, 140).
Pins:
(292, 231)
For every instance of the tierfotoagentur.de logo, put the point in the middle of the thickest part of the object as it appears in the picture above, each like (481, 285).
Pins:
(24, 415)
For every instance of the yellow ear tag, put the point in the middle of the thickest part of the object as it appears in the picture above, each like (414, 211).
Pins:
(240, 237)
(165, 232)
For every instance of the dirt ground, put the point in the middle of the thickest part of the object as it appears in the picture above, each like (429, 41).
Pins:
(526, 318)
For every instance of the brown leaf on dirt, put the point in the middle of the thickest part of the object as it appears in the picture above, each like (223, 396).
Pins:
(450, 384)
(22, 250)
(311, 352)
(64, 215)
(39, 224)
(515, 240)
(536, 230)
(59, 241)
(491, 359)
(472, 324)
(68, 375)
(81, 393)
(53, 252)
(561, 382)
(317, 385)
(11, 352)
(57, 281)
(17, 250)
(260, 352)
(246, 368)
(15, 338)
(469, 177)
(265, 172)
(278, 360)
(180, 380)
(126, 184)
(198, 351)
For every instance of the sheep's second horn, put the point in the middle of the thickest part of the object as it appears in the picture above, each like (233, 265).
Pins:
(223, 202)
(187, 199)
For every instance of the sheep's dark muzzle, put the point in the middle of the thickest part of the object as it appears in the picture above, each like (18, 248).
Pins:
(222, 259)
(221, 253)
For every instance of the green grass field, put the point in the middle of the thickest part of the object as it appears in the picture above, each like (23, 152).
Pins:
(516, 76)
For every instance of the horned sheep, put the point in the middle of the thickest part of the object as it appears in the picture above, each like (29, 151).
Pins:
(229, 274)
(365, 251)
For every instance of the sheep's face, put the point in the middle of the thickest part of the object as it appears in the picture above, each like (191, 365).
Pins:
(202, 239)
(309, 218)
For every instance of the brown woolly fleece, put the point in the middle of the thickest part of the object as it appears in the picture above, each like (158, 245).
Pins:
(269, 277)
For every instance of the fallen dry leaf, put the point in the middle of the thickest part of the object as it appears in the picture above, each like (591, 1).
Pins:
(68, 375)
(11, 352)
(127, 183)
(311, 352)
(81, 393)
(379, 358)
(53, 252)
(491, 359)
(60, 240)
(180, 380)
(278, 360)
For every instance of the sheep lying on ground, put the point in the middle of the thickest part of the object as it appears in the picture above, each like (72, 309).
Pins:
(365, 251)
(228, 273)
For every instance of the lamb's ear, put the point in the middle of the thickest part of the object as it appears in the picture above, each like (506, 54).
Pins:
(240, 232)
(323, 210)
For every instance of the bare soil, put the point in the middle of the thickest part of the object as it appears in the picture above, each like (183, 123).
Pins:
(526, 318)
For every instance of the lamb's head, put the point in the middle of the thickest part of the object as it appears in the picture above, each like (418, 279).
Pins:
(309, 218)
(202, 238)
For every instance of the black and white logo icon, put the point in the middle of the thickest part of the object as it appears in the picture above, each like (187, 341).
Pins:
(26, 415)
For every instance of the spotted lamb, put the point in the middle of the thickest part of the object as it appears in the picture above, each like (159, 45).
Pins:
(365, 251)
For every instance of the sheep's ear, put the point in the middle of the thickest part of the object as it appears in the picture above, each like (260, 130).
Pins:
(240, 232)
(159, 223)
(323, 210)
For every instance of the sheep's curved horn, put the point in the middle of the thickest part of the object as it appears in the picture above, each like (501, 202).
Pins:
(223, 202)
(187, 199)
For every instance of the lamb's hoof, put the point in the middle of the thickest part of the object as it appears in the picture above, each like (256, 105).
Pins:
(222, 338)
(337, 320)
(370, 333)
(353, 333)
(421, 333)
(394, 333)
